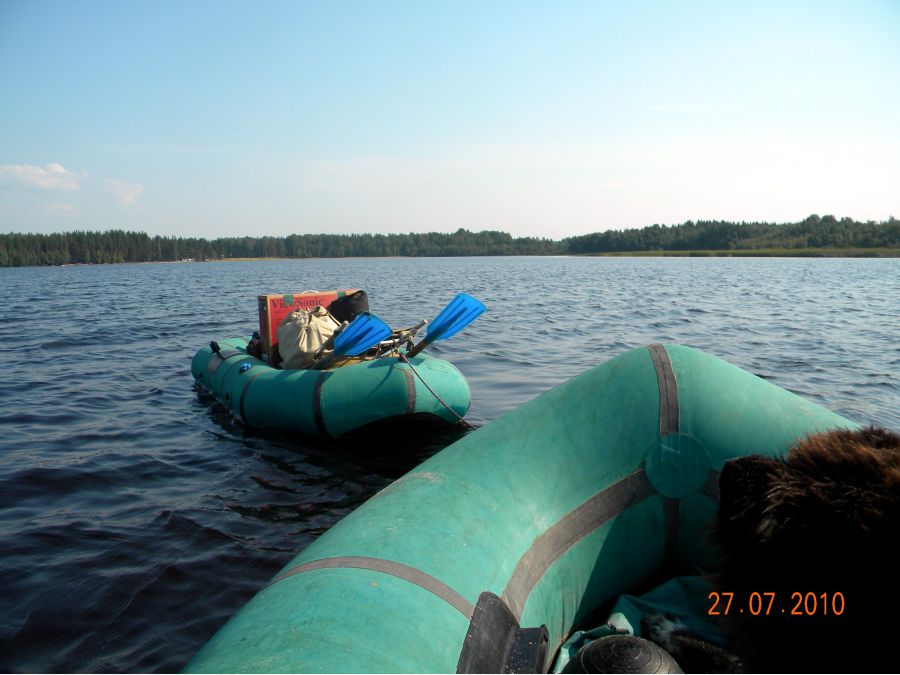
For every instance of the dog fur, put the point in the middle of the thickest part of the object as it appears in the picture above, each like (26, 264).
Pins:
(825, 519)
(822, 520)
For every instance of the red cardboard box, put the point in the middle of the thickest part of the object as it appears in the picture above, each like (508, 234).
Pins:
(273, 309)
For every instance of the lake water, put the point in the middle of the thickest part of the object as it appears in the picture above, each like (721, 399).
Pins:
(135, 518)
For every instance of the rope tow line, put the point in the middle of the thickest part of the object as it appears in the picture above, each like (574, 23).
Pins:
(440, 400)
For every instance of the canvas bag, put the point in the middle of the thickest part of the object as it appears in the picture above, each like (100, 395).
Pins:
(301, 333)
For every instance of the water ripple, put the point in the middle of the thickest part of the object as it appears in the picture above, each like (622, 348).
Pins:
(136, 518)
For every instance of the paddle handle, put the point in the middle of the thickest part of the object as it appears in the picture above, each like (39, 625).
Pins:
(417, 348)
(422, 343)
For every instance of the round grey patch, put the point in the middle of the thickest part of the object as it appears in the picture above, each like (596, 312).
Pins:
(677, 466)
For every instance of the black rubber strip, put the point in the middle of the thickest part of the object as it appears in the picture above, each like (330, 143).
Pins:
(410, 391)
(395, 569)
(495, 643)
(317, 403)
(671, 520)
(250, 379)
(216, 359)
(568, 531)
(668, 390)
(488, 638)
(668, 424)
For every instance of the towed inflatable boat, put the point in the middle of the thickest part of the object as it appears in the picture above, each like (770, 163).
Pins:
(491, 554)
(330, 403)
(391, 382)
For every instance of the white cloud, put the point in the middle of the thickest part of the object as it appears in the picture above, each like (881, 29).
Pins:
(126, 193)
(60, 210)
(53, 176)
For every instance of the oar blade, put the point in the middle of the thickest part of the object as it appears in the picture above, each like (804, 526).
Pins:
(360, 335)
(461, 311)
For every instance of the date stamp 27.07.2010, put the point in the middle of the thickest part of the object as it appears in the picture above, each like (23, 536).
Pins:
(770, 603)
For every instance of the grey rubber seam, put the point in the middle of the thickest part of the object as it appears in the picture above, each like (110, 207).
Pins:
(216, 359)
(395, 569)
(250, 379)
(669, 423)
(318, 415)
(671, 518)
(410, 391)
(668, 390)
(568, 531)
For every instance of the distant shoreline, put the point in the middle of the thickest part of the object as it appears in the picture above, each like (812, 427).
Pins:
(813, 237)
(858, 252)
(759, 253)
(701, 253)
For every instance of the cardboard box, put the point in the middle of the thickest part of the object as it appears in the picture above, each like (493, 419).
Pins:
(273, 309)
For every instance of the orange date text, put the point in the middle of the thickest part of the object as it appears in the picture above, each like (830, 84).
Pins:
(769, 603)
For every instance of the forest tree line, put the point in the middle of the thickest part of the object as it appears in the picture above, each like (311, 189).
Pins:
(119, 246)
(716, 235)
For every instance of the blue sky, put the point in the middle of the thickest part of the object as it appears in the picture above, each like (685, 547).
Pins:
(544, 119)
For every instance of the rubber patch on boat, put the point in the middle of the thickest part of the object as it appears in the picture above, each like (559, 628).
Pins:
(678, 466)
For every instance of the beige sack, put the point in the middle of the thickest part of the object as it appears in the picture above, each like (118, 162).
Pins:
(301, 333)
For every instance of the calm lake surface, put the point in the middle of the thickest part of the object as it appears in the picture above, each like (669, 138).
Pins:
(135, 518)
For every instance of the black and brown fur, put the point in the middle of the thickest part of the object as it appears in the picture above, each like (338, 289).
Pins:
(823, 520)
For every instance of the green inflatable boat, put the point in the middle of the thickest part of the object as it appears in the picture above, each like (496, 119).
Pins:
(330, 403)
(491, 554)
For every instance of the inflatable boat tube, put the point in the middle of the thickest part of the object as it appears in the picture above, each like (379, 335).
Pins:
(489, 554)
(330, 403)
